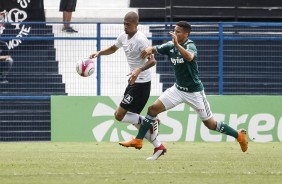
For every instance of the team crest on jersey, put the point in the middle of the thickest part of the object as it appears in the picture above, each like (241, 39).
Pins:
(127, 99)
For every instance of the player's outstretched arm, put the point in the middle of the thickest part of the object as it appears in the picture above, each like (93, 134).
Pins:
(112, 49)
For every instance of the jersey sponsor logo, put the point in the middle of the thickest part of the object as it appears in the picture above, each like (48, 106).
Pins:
(176, 61)
(127, 99)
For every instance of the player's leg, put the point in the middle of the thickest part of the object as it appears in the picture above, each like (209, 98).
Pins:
(135, 119)
(144, 129)
(166, 101)
(200, 104)
(134, 101)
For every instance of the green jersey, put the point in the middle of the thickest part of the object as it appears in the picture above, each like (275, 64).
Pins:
(186, 72)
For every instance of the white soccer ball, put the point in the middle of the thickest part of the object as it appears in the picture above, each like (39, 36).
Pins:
(85, 67)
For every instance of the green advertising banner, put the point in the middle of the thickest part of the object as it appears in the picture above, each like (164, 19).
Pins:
(91, 119)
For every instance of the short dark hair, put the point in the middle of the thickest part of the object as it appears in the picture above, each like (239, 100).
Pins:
(185, 25)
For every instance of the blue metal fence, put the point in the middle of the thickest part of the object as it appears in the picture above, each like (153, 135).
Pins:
(234, 58)
(218, 32)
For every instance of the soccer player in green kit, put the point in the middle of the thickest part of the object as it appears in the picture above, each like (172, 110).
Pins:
(188, 88)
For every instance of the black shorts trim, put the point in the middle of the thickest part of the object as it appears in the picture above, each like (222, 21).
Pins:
(136, 96)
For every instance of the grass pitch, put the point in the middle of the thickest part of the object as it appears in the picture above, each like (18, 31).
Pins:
(193, 163)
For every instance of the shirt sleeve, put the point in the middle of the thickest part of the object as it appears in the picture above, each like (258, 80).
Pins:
(191, 47)
(164, 48)
(118, 43)
(143, 43)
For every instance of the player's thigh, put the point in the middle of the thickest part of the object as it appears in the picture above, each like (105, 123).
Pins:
(171, 98)
(136, 97)
(198, 101)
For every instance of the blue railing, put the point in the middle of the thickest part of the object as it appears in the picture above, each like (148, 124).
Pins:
(221, 36)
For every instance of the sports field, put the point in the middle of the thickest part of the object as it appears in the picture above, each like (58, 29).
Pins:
(83, 163)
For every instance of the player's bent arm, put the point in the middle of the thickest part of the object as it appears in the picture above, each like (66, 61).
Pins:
(134, 74)
(150, 63)
(189, 56)
(112, 49)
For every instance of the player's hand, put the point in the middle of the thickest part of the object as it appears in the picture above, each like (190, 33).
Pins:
(94, 55)
(148, 51)
(174, 38)
(133, 75)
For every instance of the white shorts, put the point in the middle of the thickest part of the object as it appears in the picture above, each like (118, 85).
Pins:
(197, 100)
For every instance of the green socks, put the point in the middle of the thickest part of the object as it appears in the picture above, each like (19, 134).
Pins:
(220, 127)
(145, 126)
(226, 129)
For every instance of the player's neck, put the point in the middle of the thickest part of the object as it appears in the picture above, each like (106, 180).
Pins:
(185, 40)
(131, 35)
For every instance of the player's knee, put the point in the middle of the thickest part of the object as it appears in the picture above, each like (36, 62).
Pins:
(152, 110)
(210, 124)
(118, 117)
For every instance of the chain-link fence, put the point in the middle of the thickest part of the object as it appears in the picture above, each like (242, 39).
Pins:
(234, 58)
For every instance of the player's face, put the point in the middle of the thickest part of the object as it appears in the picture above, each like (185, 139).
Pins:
(181, 34)
(129, 27)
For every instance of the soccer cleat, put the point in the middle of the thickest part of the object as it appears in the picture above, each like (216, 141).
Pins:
(159, 151)
(242, 139)
(136, 143)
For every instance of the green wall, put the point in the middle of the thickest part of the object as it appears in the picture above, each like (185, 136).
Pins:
(91, 119)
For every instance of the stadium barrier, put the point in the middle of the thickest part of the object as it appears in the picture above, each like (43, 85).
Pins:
(91, 119)
(234, 59)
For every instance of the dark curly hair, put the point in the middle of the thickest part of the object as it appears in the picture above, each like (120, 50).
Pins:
(185, 25)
